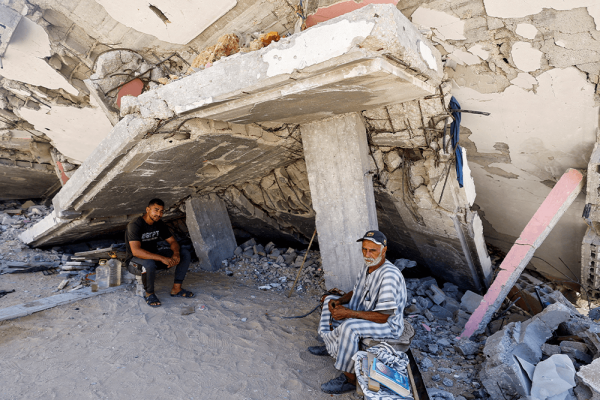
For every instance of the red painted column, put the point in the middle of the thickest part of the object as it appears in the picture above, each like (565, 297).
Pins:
(335, 10)
(554, 206)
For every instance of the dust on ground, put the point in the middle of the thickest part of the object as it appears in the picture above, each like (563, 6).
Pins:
(115, 346)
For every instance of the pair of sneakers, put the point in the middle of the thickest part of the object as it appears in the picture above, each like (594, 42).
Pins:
(338, 385)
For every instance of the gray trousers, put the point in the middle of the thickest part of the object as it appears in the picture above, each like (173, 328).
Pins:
(147, 268)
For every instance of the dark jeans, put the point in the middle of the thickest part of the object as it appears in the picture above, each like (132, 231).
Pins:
(147, 268)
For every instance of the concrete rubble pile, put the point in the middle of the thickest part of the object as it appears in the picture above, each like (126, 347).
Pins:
(276, 268)
(540, 357)
(16, 257)
(449, 367)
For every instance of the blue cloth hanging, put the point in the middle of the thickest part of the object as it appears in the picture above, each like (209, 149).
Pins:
(455, 131)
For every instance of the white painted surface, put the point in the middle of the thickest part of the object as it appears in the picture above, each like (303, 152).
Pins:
(75, 132)
(427, 55)
(24, 58)
(526, 58)
(447, 26)
(523, 8)
(524, 80)
(481, 247)
(526, 30)
(189, 18)
(479, 51)
(463, 57)
(546, 132)
(310, 48)
(468, 182)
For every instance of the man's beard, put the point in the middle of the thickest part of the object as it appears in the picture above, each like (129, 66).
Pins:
(371, 262)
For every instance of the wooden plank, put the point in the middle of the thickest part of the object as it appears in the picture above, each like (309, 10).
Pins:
(539, 227)
(101, 253)
(25, 309)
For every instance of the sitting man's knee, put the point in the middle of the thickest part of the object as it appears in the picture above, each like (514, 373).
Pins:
(185, 254)
(347, 328)
(328, 298)
(144, 266)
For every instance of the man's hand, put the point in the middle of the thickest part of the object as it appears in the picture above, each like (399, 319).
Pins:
(340, 312)
(176, 257)
(169, 262)
(334, 303)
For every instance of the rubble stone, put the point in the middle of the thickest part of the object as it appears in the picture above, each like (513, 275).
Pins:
(466, 347)
(470, 301)
(550, 349)
(590, 376)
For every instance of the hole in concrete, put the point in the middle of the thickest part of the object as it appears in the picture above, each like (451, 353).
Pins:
(159, 14)
(598, 168)
(505, 60)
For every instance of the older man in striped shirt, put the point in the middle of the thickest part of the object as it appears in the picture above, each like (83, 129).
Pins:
(374, 309)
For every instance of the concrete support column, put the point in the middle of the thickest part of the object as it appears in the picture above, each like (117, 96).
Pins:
(210, 230)
(337, 161)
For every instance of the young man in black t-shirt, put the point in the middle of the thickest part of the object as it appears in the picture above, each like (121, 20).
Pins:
(144, 258)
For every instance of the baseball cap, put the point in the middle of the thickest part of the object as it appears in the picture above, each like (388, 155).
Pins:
(375, 237)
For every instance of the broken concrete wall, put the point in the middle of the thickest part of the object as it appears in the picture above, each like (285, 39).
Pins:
(534, 66)
(420, 204)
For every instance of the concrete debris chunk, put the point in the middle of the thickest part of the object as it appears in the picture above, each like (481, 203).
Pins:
(63, 284)
(590, 376)
(451, 305)
(439, 394)
(501, 373)
(576, 350)
(430, 317)
(426, 363)
(440, 312)
(553, 377)
(594, 313)
(466, 347)
(436, 294)
(403, 263)
(550, 349)
(470, 301)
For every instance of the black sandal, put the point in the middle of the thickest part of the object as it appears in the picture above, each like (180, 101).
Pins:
(183, 293)
(152, 299)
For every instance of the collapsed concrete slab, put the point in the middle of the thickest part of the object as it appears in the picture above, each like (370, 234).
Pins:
(26, 180)
(185, 139)
(26, 165)
(368, 58)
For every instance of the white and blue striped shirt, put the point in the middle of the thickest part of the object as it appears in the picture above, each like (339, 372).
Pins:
(383, 289)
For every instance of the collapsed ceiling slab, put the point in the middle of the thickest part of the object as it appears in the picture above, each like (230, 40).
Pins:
(235, 129)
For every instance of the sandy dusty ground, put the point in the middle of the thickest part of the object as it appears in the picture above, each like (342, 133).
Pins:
(114, 346)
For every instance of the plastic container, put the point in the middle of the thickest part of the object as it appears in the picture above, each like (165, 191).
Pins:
(114, 272)
(102, 276)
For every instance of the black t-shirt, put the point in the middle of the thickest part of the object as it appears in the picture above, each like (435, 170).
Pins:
(139, 230)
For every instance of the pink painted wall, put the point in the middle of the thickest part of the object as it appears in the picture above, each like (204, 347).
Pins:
(335, 10)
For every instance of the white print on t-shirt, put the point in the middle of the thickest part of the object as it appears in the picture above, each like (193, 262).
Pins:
(150, 235)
